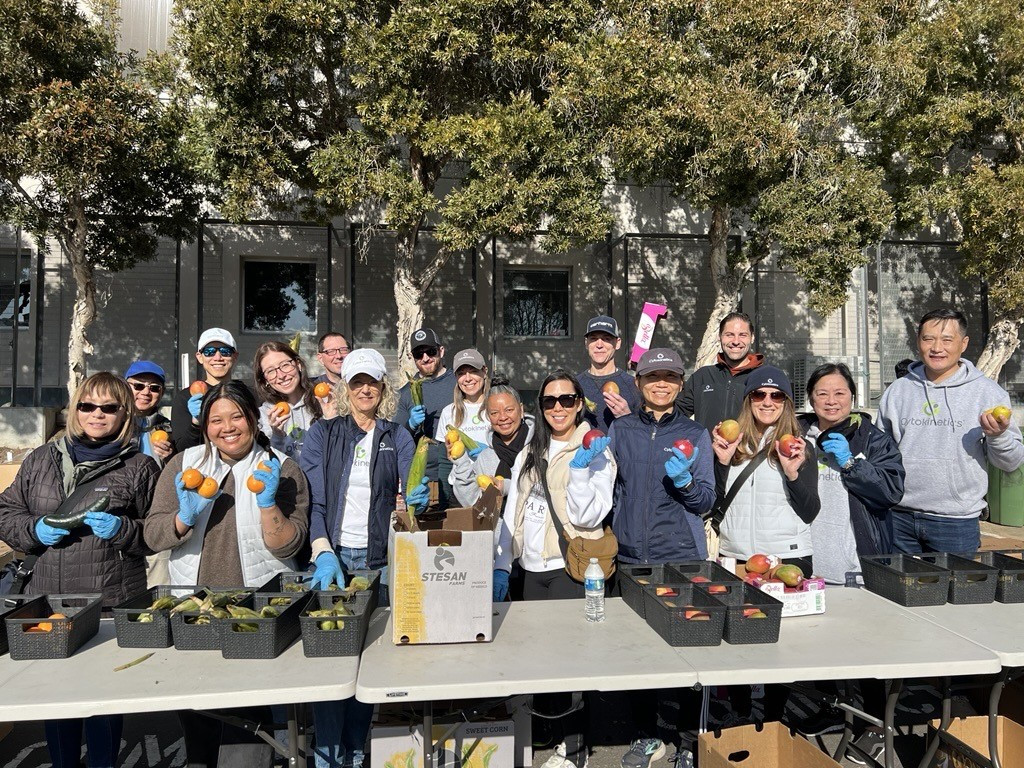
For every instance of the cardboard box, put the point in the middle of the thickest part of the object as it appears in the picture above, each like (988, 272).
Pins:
(751, 746)
(803, 603)
(485, 744)
(965, 745)
(440, 579)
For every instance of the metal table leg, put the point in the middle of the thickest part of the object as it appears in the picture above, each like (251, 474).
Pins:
(892, 698)
(428, 734)
(993, 716)
(947, 709)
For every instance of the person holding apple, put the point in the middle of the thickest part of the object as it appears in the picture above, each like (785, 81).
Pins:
(610, 389)
(950, 422)
(281, 378)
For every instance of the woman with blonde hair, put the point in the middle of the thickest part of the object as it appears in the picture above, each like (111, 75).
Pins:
(281, 377)
(99, 456)
(467, 410)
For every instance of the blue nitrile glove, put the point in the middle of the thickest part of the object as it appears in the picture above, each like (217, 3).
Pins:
(103, 524)
(47, 534)
(499, 588)
(270, 479)
(419, 496)
(839, 447)
(190, 504)
(417, 416)
(328, 571)
(584, 456)
(474, 452)
(677, 468)
(195, 405)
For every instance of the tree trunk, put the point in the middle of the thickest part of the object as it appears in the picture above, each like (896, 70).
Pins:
(1003, 341)
(726, 278)
(84, 311)
(408, 299)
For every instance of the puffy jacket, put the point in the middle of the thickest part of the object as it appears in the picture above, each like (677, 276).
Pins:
(714, 393)
(327, 461)
(654, 521)
(874, 482)
(82, 561)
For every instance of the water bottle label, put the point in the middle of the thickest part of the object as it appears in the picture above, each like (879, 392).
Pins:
(593, 584)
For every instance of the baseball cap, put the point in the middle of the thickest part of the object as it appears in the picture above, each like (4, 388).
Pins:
(424, 337)
(211, 335)
(768, 376)
(368, 361)
(469, 357)
(660, 359)
(603, 324)
(145, 366)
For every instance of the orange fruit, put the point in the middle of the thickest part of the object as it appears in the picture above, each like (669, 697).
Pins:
(158, 436)
(192, 478)
(47, 626)
(323, 389)
(263, 466)
(282, 408)
(198, 388)
(208, 488)
(254, 485)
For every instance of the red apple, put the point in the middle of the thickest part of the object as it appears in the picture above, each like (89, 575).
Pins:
(729, 430)
(666, 592)
(788, 446)
(699, 579)
(685, 446)
(591, 436)
(717, 589)
(758, 564)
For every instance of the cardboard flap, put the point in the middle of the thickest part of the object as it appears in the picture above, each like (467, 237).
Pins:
(444, 538)
(482, 516)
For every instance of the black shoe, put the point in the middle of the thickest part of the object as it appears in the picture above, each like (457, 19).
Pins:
(825, 720)
(873, 744)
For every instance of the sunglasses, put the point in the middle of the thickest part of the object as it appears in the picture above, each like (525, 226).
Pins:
(776, 396)
(421, 351)
(211, 350)
(547, 402)
(138, 386)
(108, 408)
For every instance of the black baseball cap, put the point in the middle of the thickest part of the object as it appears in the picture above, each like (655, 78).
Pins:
(660, 359)
(603, 324)
(768, 376)
(424, 337)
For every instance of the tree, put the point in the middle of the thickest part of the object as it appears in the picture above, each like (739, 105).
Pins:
(948, 128)
(89, 153)
(744, 107)
(321, 106)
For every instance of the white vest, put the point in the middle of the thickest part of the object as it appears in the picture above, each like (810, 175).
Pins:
(258, 564)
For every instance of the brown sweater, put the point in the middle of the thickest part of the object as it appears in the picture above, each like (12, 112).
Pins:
(220, 564)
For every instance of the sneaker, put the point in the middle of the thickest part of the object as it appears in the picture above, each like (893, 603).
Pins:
(683, 759)
(825, 720)
(643, 752)
(873, 744)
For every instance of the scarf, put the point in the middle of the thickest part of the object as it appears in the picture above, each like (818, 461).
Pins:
(847, 428)
(507, 453)
(83, 449)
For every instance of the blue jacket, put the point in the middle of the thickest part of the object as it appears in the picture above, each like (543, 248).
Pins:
(327, 461)
(874, 483)
(654, 521)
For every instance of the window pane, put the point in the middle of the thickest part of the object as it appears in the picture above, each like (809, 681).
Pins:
(536, 302)
(14, 303)
(279, 296)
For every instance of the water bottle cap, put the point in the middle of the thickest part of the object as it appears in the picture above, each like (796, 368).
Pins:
(593, 560)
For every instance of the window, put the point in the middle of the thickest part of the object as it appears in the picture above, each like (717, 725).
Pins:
(15, 301)
(278, 296)
(536, 302)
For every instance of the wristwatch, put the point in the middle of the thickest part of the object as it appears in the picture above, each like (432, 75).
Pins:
(849, 464)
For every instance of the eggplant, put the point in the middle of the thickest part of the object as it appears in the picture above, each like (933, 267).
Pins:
(72, 520)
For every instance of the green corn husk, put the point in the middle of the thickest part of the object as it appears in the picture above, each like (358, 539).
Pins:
(358, 584)
(469, 442)
(416, 390)
(241, 612)
(416, 471)
(245, 628)
(294, 586)
(145, 618)
(269, 612)
(163, 604)
(280, 601)
(188, 604)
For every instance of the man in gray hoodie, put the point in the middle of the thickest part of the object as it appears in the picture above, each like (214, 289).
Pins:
(940, 416)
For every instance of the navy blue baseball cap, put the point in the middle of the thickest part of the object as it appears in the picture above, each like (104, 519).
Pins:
(768, 376)
(145, 366)
(603, 324)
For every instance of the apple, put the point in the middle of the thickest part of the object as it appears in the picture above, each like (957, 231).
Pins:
(718, 589)
(749, 610)
(198, 388)
(729, 430)
(669, 604)
(758, 563)
(666, 592)
(591, 436)
(684, 446)
(788, 446)
(1001, 413)
(758, 615)
(693, 614)
(699, 579)
(610, 388)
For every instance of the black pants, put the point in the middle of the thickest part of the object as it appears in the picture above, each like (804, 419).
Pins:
(669, 714)
(557, 585)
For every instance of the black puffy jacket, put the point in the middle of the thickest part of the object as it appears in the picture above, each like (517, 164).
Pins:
(82, 561)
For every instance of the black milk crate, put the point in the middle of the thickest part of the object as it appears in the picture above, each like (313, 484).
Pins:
(272, 636)
(278, 581)
(740, 599)
(706, 569)
(905, 580)
(347, 641)
(190, 636)
(133, 633)
(370, 595)
(970, 582)
(632, 579)
(671, 623)
(9, 603)
(1011, 573)
(65, 635)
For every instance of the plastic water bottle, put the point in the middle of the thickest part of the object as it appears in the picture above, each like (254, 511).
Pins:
(593, 583)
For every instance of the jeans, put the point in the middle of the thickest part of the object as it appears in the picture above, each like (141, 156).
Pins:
(102, 741)
(342, 726)
(915, 532)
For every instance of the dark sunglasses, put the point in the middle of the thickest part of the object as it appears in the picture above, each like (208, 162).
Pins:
(138, 386)
(211, 350)
(777, 396)
(421, 351)
(547, 402)
(108, 408)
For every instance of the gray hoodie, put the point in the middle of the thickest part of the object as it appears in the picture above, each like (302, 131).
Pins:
(945, 452)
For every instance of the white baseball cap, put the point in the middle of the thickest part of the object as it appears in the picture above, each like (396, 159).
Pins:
(211, 335)
(368, 361)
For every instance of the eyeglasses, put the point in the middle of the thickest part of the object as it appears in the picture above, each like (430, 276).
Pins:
(108, 408)
(759, 394)
(566, 401)
(336, 352)
(212, 350)
(421, 351)
(278, 370)
(138, 386)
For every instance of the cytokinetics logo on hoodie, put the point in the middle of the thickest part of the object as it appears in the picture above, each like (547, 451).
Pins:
(931, 410)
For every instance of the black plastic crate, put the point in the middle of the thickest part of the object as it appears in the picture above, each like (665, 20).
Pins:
(134, 630)
(905, 580)
(740, 598)
(65, 635)
(671, 623)
(707, 569)
(970, 582)
(369, 596)
(633, 579)
(347, 641)
(190, 636)
(1011, 573)
(9, 603)
(272, 635)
